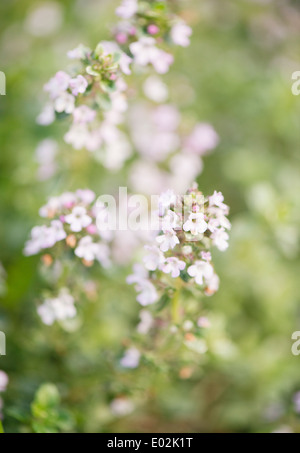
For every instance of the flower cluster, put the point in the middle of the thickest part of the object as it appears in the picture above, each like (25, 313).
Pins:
(71, 225)
(59, 308)
(4, 380)
(169, 156)
(144, 27)
(190, 226)
(94, 94)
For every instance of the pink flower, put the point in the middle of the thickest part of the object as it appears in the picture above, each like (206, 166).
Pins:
(167, 241)
(78, 85)
(152, 29)
(65, 103)
(86, 195)
(127, 9)
(180, 34)
(202, 139)
(154, 258)
(58, 84)
(84, 114)
(173, 266)
(3, 381)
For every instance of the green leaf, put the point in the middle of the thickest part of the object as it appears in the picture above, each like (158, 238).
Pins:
(163, 302)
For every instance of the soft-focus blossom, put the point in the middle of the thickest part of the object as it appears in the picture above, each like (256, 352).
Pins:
(173, 266)
(154, 258)
(131, 358)
(155, 89)
(220, 239)
(79, 53)
(58, 84)
(65, 103)
(45, 156)
(180, 34)
(78, 219)
(145, 52)
(127, 9)
(201, 270)
(147, 293)
(78, 85)
(3, 381)
(195, 224)
(121, 407)
(203, 322)
(45, 19)
(167, 241)
(146, 322)
(84, 114)
(57, 309)
(202, 139)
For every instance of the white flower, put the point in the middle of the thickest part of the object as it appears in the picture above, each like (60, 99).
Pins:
(78, 219)
(47, 115)
(220, 239)
(170, 221)
(87, 196)
(46, 151)
(42, 237)
(154, 259)
(127, 9)
(140, 274)
(162, 61)
(217, 200)
(65, 103)
(212, 285)
(57, 309)
(201, 270)
(148, 294)
(3, 381)
(121, 407)
(195, 223)
(166, 200)
(131, 358)
(58, 84)
(146, 322)
(167, 241)
(84, 114)
(173, 266)
(79, 52)
(203, 322)
(78, 85)
(180, 34)
(125, 62)
(155, 89)
(58, 231)
(145, 52)
(87, 249)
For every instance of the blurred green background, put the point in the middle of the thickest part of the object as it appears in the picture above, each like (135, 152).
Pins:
(239, 67)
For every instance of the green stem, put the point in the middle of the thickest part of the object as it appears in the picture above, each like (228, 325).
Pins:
(1, 428)
(175, 307)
